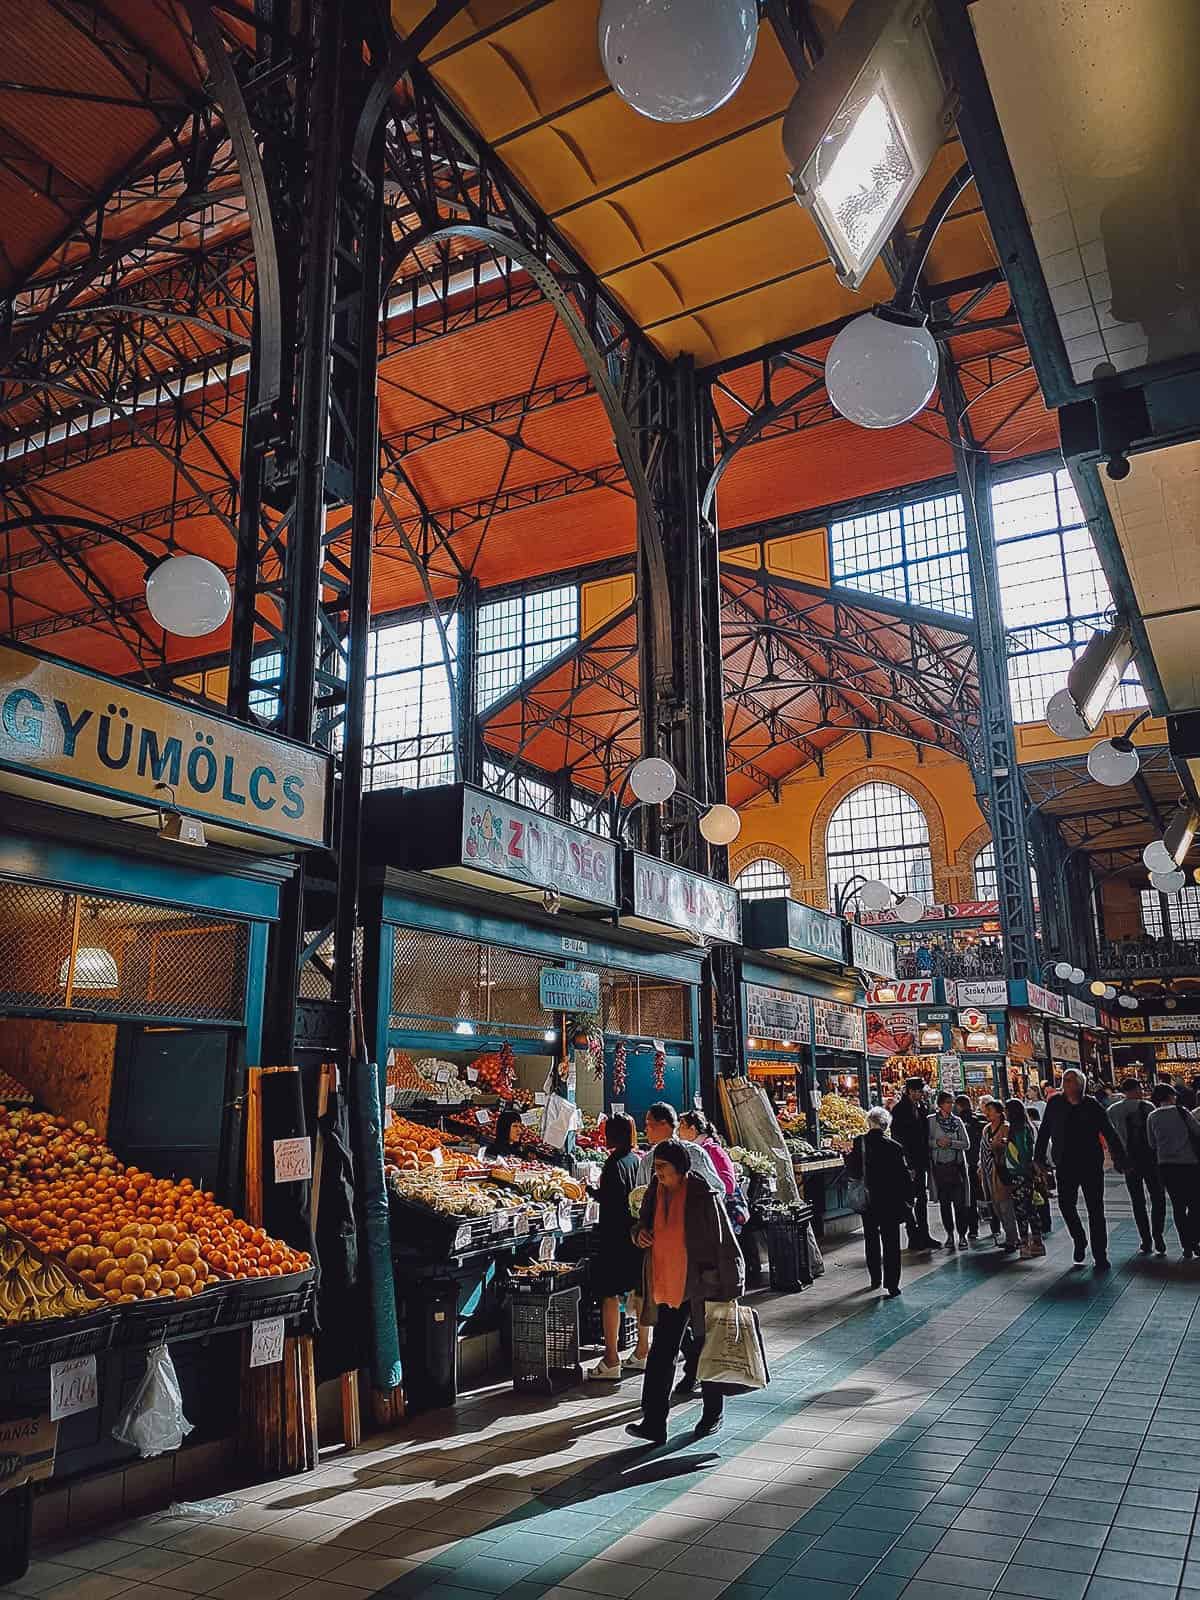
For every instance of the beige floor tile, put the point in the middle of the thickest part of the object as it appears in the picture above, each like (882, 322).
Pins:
(260, 1549)
(263, 1585)
(89, 1586)
(42, 1576)
(371, 1570)
(609, 1578)
(204, 1539)
(202, 1574)
(310, 1560)
(148, 1565)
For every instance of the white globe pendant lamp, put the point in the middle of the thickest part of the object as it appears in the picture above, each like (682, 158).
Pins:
(1157, 858)
(1063, 716)
(1077, 975)
(1113, 762)
(910, 909)
(676, 60)
(875, 896)
(881, 371)
(1062, 969)
(1168, 882)
(188, 596)
(720, 824)
(653, 780)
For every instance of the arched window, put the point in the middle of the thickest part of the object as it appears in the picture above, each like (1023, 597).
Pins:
(879, 831)
(763, 880)
(987, 884)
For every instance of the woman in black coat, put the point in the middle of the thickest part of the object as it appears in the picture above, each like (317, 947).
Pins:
(877, 1161)
(617, 1267)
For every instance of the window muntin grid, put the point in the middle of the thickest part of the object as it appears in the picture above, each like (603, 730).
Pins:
(408, 731)
(987, 884)
(516, 787)
(763, 880)
(1183, 913)
(517, 637)
(916, 552)
(880, 832)
(587, 812)
(1053, 592)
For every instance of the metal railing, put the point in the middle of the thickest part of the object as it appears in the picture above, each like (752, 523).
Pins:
(1176, 957)
(980, 962)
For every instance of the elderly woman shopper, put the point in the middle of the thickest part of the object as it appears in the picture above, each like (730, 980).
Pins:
(948, 1146)
(996, 1192)
(691, 1257)
(879, 1164)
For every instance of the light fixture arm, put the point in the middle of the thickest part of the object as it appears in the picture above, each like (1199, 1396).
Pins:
(906, 295)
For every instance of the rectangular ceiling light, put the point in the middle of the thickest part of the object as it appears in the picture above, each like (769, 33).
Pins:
(864, 127)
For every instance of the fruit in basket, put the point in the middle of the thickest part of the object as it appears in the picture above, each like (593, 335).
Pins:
(411, 1146)
(128, 1234)
(841, 1120)
(12, 1089)
(35, 1290)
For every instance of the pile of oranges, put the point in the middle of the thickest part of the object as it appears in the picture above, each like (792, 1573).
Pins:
(129, 1235)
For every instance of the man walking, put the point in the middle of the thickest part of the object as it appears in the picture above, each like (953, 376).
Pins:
(1072, 1128)
(1130, 1118)
(1174, 1135)
(910, 1129)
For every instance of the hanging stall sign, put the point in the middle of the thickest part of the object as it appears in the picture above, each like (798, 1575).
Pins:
(903, 992)
(795, 931)
(872, 953)
(777, 1014)
(1131, 1024)
(1080, 1011)
(951, 911)
(892, 1032)
(671, 899)
(950, 1073)
(838, 1027)
(128, 749)
(986, 993)
(971, 1018)
(1063, 1047)
(563, 990)
(515, 842)
(1020, 1038)
(1044, 1000)
(1176, 1022)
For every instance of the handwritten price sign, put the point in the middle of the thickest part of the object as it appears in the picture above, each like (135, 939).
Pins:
(266, 1342)
(293, 1160)
(72, 1387)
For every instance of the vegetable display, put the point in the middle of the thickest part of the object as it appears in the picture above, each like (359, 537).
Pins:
(752, 1161)
(841, 1120)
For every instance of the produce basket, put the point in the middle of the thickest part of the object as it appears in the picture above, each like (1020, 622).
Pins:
(251, 1298)
(157, 1321)
(547, 1280)
(28, 1345)
(419, 1231)
(545, 1342)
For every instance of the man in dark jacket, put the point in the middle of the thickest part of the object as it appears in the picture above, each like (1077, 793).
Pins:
(1072, 1129)
(1129, 1117)
(974, 1124)
(910, 1129)
(878, 1162)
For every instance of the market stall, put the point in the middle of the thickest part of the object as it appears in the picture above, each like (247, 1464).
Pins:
(511, 1012)
(907, 1028)
(978, 1034)
(133, 935)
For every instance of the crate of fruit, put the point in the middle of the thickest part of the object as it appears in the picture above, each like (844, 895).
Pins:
(290, 1295)
(47, 1313)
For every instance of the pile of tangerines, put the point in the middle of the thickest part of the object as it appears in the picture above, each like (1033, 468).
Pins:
(130, 1235)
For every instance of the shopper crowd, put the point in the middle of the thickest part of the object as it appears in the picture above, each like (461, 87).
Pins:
(997, 1168)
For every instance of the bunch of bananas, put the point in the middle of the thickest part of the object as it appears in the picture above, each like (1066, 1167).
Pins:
(33, 1290)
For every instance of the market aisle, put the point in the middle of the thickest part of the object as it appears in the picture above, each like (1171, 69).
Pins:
(1015, 1429)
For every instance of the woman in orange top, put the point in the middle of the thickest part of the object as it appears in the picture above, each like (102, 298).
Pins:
(691, 1257)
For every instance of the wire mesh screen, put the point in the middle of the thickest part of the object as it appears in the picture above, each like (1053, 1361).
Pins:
(438, 980)
(93, 953)
(316, 974)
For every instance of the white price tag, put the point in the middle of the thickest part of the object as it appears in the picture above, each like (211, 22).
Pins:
(266, 1341)
(293, 1160)
(435, 1155)
(592, 1215)
(387, 1116)
(442, 1075)
(564, 1216)
(659, 1045)
(698, 1101)
(482, 1118)
(72, 1387)
(532, 1119)
(472, 1075)
(546, 1249)
(618, 1109)
(522, 1224)
(539, 1098)
(389, 1095)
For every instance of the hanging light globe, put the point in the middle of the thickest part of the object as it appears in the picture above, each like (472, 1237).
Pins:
(880, 373)
(1168, 882)
(1062, 714)
(875, 896)
(1097, 988)
(676, 60)
(1113, 762)
(910, 909)
(1157, 858)
(1128, 1001)
(1062, 969)
(653, 780)
(188, 596)
(1109, 992)
(1077, 975)
(720, 824)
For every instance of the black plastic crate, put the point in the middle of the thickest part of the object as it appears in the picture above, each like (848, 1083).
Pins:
(288, 1296)
(29, 1345)
(787, 1252)
(545, 1342)
(592, 1328)
(549, 1282)
(158, 1321)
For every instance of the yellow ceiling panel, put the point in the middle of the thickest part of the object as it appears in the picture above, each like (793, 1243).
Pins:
(617, 146)
(706, 193)
(477, 15)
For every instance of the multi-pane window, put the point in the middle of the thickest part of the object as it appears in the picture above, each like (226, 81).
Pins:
(265, 669)
(1053, 592)
(1183, 914)
(520, 790)
(880, 832)
(915, 552)
(763, 880)
(987, 884)
(588, 811)
(517, 637)
(409, 724)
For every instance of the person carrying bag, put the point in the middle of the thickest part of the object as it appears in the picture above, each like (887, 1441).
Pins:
(733, 1355)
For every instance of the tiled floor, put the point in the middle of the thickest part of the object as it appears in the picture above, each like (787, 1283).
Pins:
(1022, 1429)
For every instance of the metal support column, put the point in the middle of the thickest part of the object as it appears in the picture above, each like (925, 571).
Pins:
(997, 776)
(468, 757)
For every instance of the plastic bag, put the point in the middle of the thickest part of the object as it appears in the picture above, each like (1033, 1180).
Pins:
(733, 1353)
(560, 1118)
(153, 1421)
(816, 1260)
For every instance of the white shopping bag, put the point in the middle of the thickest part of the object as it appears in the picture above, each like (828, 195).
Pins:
(733, 1353)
